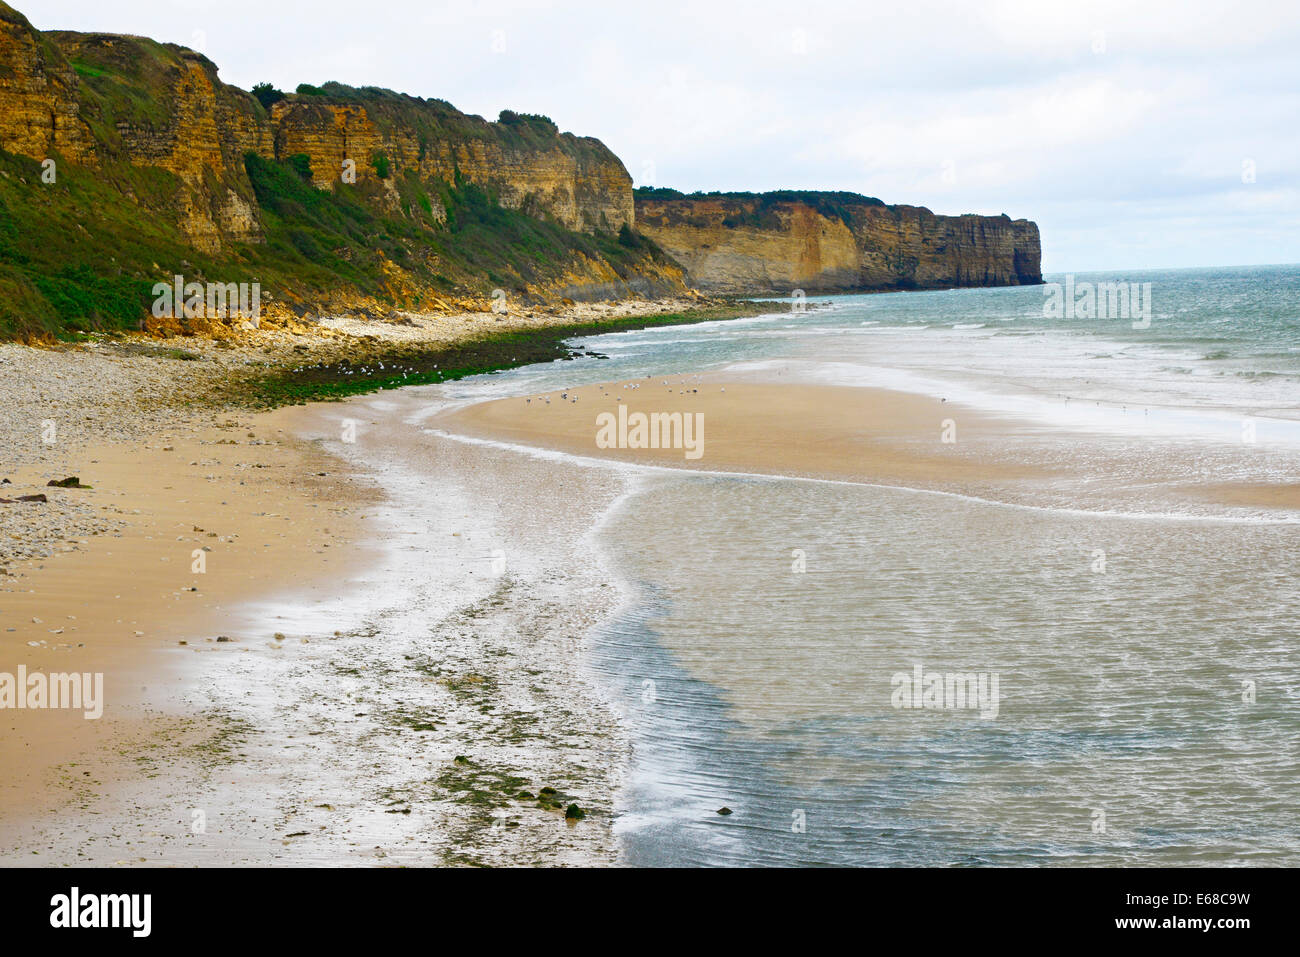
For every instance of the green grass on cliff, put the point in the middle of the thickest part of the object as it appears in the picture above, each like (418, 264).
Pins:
(479, 246)
(121, 83)
(757, 211)
(83, 253)
(76, 255)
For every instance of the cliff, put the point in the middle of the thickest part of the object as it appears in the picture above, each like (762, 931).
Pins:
(125, 162)
(833, 242)
(162, 168)
(526, 160)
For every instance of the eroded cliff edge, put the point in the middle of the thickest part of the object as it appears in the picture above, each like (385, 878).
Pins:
(125, 162)
(333, 198)
(744, 243)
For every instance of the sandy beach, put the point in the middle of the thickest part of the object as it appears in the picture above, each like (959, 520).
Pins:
(264, 513)
(370, 649)
(189, 519)
(677, 442)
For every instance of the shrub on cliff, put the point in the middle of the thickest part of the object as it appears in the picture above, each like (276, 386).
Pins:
(527, 129)
(78, 255)
(533, 121)
(657, 192)
(629, 237)
(23, 310)
(88, 299)
(267, 95)
(301, 164)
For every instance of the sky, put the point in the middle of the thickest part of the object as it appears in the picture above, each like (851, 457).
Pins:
(1137, 134)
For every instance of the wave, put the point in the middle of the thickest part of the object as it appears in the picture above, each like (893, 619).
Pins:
(1262, 374)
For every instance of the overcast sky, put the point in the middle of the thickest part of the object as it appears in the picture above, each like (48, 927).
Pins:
(1137, 134)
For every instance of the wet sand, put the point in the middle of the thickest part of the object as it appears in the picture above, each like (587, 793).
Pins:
(1283, 495)
(386, 695)
(866, 435)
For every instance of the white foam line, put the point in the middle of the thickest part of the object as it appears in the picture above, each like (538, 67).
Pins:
(710, 323)
(591, 461)
(629, 594)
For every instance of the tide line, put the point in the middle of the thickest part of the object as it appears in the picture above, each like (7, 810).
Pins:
(591, 461)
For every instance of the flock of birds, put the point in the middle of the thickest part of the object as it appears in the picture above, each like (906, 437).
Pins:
(379, 370)
(565, 397)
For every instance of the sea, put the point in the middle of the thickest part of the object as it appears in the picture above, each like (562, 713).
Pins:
(1101, 669)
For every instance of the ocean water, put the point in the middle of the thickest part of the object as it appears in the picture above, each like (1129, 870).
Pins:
(1143, 643)
(1221, 345)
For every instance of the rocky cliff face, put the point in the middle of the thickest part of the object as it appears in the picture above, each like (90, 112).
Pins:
(39, 104)
(338, 198)
(150, 105)
(835, 242)
(527, 162)
(94, 99)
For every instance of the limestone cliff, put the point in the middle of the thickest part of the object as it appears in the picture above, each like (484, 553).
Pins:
(162, 106)
(833, 242)
(408, 186)
(529, 164)
(39, 97)
(336, 198)
(97, 97)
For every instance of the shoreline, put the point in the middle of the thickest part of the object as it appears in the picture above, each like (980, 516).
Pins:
(703, 548)
(331, 682)
(256, 707)
(270, 514)
(160, 477)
